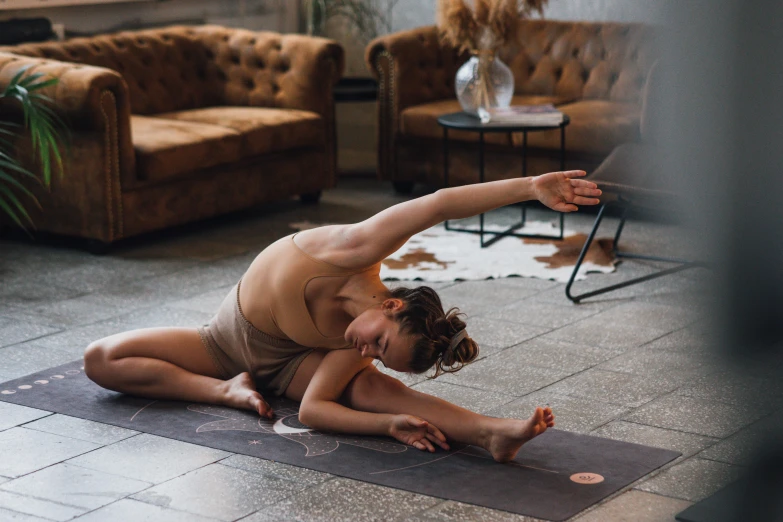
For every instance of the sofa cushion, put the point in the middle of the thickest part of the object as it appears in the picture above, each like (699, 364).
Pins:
(421, 121)
(167, 149)
(263, 130)
(597, 127)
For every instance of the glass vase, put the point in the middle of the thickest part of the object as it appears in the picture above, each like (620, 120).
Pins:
(484, 82)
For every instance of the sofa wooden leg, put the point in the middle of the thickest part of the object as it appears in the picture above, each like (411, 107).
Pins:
(403, 187)
(97, 247)
(310, 198)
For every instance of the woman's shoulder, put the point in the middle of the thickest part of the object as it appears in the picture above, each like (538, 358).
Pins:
(331, 245)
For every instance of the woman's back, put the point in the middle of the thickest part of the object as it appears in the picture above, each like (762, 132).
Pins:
(291, 294)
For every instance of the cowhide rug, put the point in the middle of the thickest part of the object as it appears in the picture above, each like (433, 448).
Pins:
(440, 255)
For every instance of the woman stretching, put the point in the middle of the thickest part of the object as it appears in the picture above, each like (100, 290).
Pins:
(310, 315)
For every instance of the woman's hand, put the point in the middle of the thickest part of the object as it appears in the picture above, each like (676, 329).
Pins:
(416, 432)
(560, 191)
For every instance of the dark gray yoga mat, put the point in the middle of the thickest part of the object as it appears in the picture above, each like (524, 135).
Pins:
(554, 477)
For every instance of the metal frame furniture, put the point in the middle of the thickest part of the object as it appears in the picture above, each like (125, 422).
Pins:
(466, 122)
(625, 198)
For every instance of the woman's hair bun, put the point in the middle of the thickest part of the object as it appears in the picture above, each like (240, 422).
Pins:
(424, 317)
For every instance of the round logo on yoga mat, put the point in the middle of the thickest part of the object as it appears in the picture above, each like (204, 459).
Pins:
(587, 478)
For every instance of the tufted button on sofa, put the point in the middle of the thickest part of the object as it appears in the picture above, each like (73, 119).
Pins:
(178, 124)
(594, 72)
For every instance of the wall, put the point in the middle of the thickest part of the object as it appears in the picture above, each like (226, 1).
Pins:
(277, 15)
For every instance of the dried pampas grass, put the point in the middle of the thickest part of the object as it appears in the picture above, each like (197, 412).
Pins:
(483, 24)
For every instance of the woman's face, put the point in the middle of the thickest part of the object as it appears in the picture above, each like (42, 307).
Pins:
(376, 334)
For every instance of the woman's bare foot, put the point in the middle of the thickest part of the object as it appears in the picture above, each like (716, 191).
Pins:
(509, 435)
(240, 392)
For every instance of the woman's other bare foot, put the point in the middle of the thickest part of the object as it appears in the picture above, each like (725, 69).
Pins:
(240, 392)
(508, 435)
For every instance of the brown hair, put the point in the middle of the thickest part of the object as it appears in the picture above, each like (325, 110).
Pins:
(423, 317)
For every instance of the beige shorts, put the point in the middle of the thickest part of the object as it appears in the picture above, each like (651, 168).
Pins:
(236, 346)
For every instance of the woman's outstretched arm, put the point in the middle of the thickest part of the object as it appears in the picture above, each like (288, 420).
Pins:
(374, 239)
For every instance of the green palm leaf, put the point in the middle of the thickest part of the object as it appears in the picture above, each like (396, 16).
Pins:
(46, 131)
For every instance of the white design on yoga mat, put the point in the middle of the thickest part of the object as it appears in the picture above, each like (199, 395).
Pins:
(287, 425)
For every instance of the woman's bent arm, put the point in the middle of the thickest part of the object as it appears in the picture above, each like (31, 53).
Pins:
(320, 408)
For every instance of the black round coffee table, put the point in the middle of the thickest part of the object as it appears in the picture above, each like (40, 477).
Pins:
(466, 122)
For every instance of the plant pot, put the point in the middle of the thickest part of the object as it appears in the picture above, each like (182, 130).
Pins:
(484, 82)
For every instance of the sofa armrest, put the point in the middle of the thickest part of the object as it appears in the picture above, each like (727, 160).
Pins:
(91, 101)
(412, 67)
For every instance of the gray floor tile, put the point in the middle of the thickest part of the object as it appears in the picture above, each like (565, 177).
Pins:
(618, 388)
(692, 339)
(220, 492)
(714, 419)
(149, 458)
(26, 450)
(537, 313)
(737, 389)
(16, 331)
(638, 506)
(492, 335)
(207, 303)
(573, 414)
(188, 283)
(649, 315)
(46, 509)
(12, 516)
(507, 372)
(742, 447)
(693, 479)
(477, 298)
(75, 486)
(95, 273)
(13, 415)
(562, 355)
(23, 359)
(680, 366)
(95, 432)
(128, 510)
(593, 331)
(451, 511)
(304, 476)
(85, 309)
(478, 401)
(30, 292)
(686, 443)
(346, 500)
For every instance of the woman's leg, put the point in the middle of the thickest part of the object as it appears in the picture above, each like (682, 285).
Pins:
(374, 391)
(167, 364)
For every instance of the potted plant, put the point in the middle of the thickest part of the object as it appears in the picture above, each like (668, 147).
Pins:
(45, 130)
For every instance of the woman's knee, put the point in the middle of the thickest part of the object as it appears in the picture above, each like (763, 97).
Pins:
(369, 383)
(97, 356)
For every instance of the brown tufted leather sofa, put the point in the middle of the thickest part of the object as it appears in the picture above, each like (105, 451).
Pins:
(178, 124)
(594, 72)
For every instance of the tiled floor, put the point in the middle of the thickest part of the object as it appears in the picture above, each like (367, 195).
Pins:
(634, 365)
